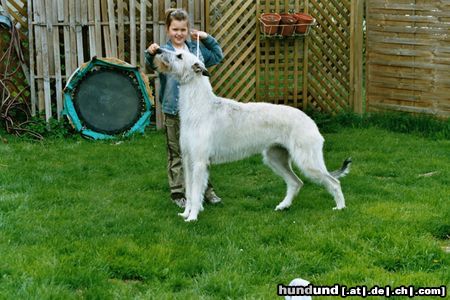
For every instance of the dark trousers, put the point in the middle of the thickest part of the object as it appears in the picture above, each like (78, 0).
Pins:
(174, 162)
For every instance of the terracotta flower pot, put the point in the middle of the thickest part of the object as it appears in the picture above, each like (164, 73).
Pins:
(287, 23)
(270, 23)
(303, 18)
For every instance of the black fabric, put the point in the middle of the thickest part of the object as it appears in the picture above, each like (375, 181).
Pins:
(108, 101)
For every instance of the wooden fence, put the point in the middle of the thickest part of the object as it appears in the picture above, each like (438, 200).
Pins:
(66, 33)
(322, 71)
(408, 56)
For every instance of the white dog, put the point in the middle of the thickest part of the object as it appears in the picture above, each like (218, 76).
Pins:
(217, 130)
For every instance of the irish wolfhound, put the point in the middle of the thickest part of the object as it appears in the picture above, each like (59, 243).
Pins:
(217, 130)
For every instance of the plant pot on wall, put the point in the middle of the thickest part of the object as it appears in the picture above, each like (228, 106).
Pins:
(287, 23)
(303, 22)
(269, 23)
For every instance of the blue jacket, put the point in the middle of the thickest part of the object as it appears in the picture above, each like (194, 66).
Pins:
(210, 54)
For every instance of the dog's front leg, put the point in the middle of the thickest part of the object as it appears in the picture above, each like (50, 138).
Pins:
(187, 169)
(199, 182)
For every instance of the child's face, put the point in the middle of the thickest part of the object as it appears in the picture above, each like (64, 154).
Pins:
(178, 32)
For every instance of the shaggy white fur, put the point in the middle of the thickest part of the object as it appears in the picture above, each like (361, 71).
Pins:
(216, 130)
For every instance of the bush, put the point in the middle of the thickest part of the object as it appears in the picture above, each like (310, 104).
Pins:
(51, 129)
(422, 125)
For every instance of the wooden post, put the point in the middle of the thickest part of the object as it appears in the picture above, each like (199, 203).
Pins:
(92, 36)
(98, 28)
(156, 39)
(73, 36)
(258, 54)
(112, 27)
(191, 11)
(305, 63)
(133, 31)
(143, 34)
(296, 66)
(37, 30)
(66, 30)
(356, 55)
(49, 23)
(121, 28)
(32, 59)
(57, 56)
(203, 15)
(105, 28)
(46, 62)
(276, 80)
(207, 19)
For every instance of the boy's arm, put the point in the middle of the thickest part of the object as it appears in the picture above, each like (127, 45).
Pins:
(211, 51)
(149, 60)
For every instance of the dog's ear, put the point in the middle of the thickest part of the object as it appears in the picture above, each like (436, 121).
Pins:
(199, 68)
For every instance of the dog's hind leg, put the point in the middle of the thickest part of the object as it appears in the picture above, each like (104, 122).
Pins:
(278, 159)
(313, 166)
(199, 182)
(333, 186)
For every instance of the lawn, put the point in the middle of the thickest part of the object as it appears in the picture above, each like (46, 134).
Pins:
(92, 220)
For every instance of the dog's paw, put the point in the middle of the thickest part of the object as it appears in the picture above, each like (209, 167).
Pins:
(281, 207)
(184, 215)
(338, 207)
(190, 219)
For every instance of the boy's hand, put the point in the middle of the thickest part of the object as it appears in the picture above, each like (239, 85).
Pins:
(152, 48)
(201, 34)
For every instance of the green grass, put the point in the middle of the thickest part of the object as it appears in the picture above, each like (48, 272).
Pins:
(93, 220)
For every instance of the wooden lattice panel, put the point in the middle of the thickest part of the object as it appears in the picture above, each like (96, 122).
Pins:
(233, 24)
(408, 56)
(281, 76)
(315, 70)
(329, 56)
(318, 70)
(281, 61)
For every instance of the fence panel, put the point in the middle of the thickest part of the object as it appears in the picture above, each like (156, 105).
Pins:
(316, 70)
(319, 71)
(329, 56)
(233, 24)
(281, 61)
(408, 56)
(66, 33)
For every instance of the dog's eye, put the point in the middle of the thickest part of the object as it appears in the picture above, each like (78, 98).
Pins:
(180, 56)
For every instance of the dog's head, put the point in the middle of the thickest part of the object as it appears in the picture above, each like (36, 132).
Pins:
(184, 65)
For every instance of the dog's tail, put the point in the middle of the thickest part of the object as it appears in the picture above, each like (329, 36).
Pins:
(344, 170)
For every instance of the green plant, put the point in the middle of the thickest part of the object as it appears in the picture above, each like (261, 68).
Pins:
(421, 125)
(49, 129)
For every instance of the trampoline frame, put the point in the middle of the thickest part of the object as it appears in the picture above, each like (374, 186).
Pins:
(79, 74)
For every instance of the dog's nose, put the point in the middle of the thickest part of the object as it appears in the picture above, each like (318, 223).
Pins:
(159, 51)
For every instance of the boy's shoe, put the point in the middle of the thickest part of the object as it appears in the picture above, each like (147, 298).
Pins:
(179, 199)
(180, 202)
(212, 198)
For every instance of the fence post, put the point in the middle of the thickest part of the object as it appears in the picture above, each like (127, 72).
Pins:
(258, 55)
(356, 55)
(32, 62)
(305, 64)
